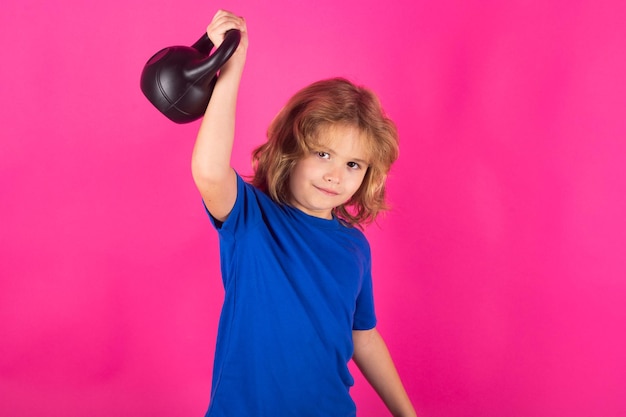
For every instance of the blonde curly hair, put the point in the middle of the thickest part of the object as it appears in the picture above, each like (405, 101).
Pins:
(292, 134)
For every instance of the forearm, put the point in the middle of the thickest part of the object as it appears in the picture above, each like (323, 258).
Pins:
(210, 161)
(373, 359)
(214, 142)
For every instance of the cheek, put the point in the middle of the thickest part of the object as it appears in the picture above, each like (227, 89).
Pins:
(356, 181)
(311, 169)
(299, 171)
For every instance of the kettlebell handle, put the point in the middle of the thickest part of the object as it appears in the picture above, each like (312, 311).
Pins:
(179, 80)
(213, 62)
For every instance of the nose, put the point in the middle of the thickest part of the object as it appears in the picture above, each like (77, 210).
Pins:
(333, 176)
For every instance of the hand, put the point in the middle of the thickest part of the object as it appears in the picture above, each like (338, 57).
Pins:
(222, 22)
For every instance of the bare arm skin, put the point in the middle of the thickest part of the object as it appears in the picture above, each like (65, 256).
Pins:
(373, 359)
(210, 162)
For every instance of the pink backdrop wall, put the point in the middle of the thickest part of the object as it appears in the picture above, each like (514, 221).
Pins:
(500, 274)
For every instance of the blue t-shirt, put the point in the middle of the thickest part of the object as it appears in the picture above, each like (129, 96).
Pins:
(295, 288)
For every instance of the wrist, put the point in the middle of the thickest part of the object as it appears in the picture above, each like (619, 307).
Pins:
(234, 65)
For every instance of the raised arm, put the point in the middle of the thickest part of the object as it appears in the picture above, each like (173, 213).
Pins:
(373, 359)
(210, 162)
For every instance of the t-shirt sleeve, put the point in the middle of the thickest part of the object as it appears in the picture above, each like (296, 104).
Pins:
(364, 314)
(244, 211)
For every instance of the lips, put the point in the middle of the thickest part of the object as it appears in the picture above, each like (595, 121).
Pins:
(327, 191)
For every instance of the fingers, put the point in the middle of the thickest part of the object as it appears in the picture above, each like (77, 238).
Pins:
(226, 16)
(222, 22)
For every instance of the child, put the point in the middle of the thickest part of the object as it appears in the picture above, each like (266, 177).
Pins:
(297, 273)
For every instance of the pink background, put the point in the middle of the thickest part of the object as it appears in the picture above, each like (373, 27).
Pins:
(500, 274)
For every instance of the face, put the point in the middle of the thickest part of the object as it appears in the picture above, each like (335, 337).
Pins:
(331, 173)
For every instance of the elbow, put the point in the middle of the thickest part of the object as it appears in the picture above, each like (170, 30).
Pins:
(209, 177)
(203, 172)
(198, 170)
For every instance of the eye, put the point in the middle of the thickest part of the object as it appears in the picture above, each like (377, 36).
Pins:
(354, 165)
(323, 154)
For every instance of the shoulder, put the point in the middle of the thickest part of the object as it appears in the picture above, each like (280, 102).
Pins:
(355, 232)
(252, 206)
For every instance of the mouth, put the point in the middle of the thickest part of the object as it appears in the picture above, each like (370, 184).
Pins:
(328, 192)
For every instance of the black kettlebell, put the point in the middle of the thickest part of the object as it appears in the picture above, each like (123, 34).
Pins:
(179, 80)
